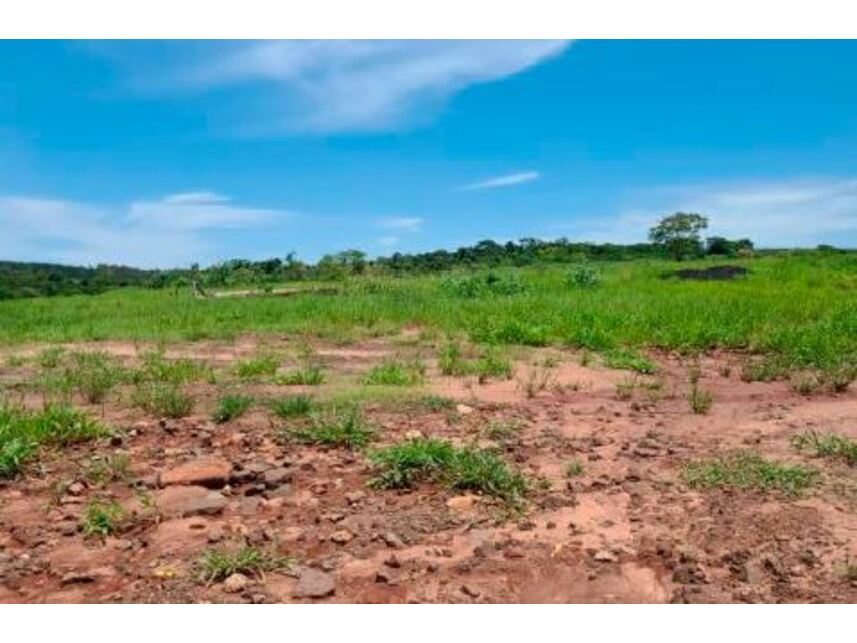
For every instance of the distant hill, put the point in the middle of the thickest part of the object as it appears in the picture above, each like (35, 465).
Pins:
(22, 279)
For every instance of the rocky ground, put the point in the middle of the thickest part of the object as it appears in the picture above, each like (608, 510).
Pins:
(623, 527)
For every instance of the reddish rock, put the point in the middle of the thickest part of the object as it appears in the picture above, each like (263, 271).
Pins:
(207, 472)
(177, 502)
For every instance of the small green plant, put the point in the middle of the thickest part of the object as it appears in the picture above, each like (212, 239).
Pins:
(15, 361)
(829, 445)
(102, 518)
(309, 375)
(396, 373)
(628, 360)
(583, 276)
(292, 406)
(435, 402)
(110, 468)
(573, 469)
(493, 364)
(163, 399)
(94, 375)
(625, 388)
(217, 565)
(585, 358)
(406, 464)
(265, 366)
(749, 470)
(335, 427)
(231, 406)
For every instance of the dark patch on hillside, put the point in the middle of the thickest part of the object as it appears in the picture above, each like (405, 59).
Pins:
(714, 273)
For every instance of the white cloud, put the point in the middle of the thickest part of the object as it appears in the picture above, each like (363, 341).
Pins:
(504, 181)
(783, 213)
(335, 85)
(405, 224)
(167, 232)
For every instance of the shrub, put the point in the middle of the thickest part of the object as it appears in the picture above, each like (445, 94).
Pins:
(489, 284)
(163, 399)
(582, 276)
(230, 407)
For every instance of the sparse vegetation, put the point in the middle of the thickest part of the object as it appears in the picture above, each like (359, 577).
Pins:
(163, 399)
(536, 379)
(22, 432)
(309, 375)
(230, 407)
(217, 565)
(465, 469)
(629, 360)
(109, 468)
(393, 372)
(265, 366)
(292, 406)
(827, 445)
(573, 469)
(94, 375)
(102, 518)
(749, 470)
(345, 427)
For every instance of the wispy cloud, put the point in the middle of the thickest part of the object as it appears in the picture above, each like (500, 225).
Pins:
(503, 181)
(784, 213)
(170, 231)
(405, 224)
(332, 86)
(388, 242)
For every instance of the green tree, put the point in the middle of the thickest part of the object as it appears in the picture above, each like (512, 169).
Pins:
(678, 234)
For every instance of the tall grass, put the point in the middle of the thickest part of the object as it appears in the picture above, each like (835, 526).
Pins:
(799, 307)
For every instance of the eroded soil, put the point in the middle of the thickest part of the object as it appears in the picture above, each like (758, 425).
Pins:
(626, 529)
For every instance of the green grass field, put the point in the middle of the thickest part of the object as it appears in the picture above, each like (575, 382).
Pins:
(799, 310)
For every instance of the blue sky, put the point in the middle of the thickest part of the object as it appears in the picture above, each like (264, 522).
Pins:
(164, 153)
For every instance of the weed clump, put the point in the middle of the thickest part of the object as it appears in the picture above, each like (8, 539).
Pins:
(582, 276)
(230, 407)
(487, 285)
(406, 464)
(163, 399)
(101, 518)
(309, 375)
(335, 427)
(102, 470)
(749, 470)
(629, 360)
(828, 445)
(157, 368)
(216, 565)
(397, 373)
(23, 431)
(255, 368)
(292, 406)
(94, 375)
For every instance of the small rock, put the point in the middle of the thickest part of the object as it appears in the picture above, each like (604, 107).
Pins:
(461, 503)
(605, 556)
(463, 409)
(385, 576)
(314, 584)
(236, 583)
(392, 540)
(189, 501)
(342, 537)
(354, 497)
(74, 578)
(275, 477)
(471, 591)
(76, 488)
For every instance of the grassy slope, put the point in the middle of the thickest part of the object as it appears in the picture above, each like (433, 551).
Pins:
(802, 307)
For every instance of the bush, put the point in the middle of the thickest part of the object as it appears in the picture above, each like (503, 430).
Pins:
(582, 276)
(486, 285)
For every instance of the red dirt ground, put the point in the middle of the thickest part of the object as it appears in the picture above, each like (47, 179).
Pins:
(628, 529)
